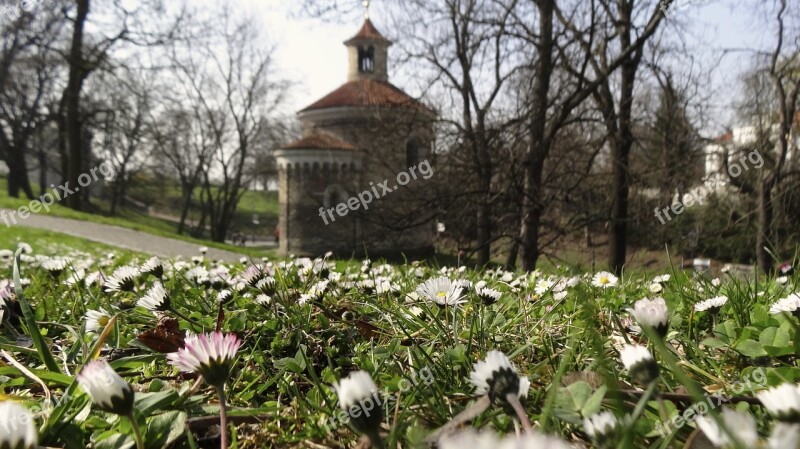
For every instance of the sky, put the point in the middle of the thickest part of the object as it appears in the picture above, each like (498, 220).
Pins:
(311, 51)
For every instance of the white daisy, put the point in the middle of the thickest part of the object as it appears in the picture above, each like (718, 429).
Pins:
(782, 280)
(55, 265)
(543, 286)
(96, 320)
(156, 299)
(782, 402)
(6, 255)
(639, 363)
(789, 304)
(653, 313)
(604, 279)
(488, 295)
(712, 305)
(153, 267)
(19, 429)
(660, 279)
(122, 279)
(784, 436)
(655, 287)
(203, 249)
(741, 424)
(359, 398)
(498, 377)
(106, 388)
(441, 291)
(600, 425)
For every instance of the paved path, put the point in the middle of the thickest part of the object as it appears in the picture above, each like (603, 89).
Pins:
(124, 238)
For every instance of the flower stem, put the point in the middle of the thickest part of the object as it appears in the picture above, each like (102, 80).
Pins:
(517, 406)
(137, 432)
(223, 418)
(375, 439)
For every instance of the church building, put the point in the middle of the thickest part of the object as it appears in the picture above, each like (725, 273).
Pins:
(355, 182)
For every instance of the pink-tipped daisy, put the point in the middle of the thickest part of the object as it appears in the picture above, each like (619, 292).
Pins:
(210, 355)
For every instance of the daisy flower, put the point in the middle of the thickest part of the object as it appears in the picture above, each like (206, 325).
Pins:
(498, 378)
(600, 426)
(789, 304)
(640, 363)
(712, 305)
(488, 295)
(604, 279)
(153, 267)
(106, 388)
(441, 291)
(359, 398)
(19, 431)
(543, 286)
(784, 436)
(156, 299)
(96, 320)
(121, 280)
(741, 424)
(652, 313)
(210, 355)
(782, 402)
(55, 266)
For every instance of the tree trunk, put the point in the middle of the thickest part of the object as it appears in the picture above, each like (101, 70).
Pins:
(764, 233)
(532, 206)
(18, 179)
(73, 94)
(187, 201)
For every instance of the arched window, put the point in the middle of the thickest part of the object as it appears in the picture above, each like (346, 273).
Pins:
(334, 195)
(366, 59)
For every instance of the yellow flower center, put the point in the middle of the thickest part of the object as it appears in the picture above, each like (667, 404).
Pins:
(103, 321)
(441, 294)
(604, 280)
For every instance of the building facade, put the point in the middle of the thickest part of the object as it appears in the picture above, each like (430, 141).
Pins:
(333, 180)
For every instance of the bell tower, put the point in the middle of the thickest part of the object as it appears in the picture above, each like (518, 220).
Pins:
(368, 53)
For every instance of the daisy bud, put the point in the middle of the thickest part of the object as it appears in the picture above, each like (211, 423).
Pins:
(497, 377)
(18, 430)
(786, 269)
(640, 363)
(782, 402)
(106, 388)
(600, 427)
(359, 398)
(652, 313)
(210, 355)
(742, 425)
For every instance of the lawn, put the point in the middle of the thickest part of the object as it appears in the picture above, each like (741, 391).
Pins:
(320, 353)
(127, 218)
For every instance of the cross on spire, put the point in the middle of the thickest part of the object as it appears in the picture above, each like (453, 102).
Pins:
(366, 9)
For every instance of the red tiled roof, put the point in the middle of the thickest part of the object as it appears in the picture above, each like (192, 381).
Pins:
(320, 141)
(368, 31)
(727, 137)
(366, 92)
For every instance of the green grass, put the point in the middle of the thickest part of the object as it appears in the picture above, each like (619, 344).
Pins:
(420, 355)
(127, 219)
